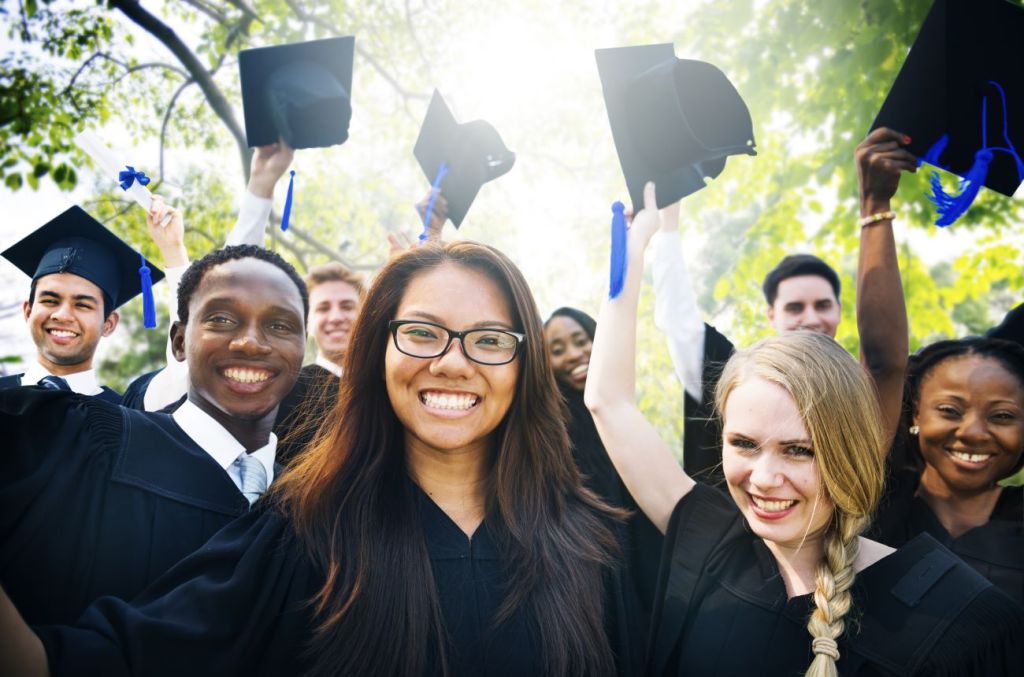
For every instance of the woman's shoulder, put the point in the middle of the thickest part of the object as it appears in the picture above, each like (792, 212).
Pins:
(924, 611)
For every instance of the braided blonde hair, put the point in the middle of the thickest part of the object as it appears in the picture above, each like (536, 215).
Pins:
(838, 404)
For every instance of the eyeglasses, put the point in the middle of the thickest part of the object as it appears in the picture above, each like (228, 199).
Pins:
(428, 340)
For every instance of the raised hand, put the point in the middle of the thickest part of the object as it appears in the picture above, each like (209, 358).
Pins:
(646, 222)
(268, 165)
(169, 238)
(881, 157)
(438, 215)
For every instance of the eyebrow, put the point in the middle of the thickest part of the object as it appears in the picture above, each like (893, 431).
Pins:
(77, 297)
(227, 302)
(784, 443)
(482, 324)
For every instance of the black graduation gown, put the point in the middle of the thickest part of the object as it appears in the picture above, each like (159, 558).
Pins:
(96, 499)
(995, 549)
(632, 587)
(309, 401)
(1011, 328)
(723, 608)
(239, 606)
(702, 436)
(106, 394)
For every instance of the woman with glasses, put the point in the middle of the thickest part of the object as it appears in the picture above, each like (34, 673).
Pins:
(437, 525)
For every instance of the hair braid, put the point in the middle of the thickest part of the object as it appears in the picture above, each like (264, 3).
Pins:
(832, 597)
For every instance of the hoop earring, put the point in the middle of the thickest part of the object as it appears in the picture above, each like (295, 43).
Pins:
(914, 430)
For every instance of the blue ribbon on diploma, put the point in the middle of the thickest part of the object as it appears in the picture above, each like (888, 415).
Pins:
(129, 175)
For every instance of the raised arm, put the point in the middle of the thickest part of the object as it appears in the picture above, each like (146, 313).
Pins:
(641, 457)
(268, 165)
(675, 305)
(881, 309)
(170, 383)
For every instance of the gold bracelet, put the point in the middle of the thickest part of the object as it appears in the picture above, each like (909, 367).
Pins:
(875, 218)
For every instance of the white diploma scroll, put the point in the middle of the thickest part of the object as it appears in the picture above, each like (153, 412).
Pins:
(112, 163)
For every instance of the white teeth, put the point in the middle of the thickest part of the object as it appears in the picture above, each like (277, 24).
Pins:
(581, 369)
(247, 375)
(772, 506)
(449, 400)
(62, 333)
(973, 458)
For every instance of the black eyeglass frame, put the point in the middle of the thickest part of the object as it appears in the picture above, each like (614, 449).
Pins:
(394, 325)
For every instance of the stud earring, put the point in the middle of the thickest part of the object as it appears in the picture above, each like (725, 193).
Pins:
(914, 430)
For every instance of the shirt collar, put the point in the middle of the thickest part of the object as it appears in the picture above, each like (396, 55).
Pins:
(82, 382)
(215, 440)
(328, 365)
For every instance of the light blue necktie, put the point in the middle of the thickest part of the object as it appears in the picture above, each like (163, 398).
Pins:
(54, 383)
(254, 477)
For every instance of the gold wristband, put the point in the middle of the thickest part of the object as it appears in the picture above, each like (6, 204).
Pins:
(875, 218)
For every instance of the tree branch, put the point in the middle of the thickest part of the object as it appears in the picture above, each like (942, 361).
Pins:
(166, 35)
(208, 10)
(303, 15)
(167, 118)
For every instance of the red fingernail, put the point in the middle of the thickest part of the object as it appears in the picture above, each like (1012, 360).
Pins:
(906, 138)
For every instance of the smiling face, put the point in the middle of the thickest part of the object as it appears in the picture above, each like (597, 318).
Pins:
(244, 341)
(333, 307)
(66, 321)
(805, 302)
(769, 465)
(450, 404)
(568, 346)
(971, 417)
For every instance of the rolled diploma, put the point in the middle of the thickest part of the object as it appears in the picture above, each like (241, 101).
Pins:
(109, 164)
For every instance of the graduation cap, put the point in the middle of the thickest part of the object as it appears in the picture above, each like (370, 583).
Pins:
(74, 242)
(458, 157)
(674, 121)
(300, 92)
(960, 97)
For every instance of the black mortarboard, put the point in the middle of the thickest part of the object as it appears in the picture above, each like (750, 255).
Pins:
(945, 82)
(472, 154)
(674, 121)
(74, 242)
(300, 92)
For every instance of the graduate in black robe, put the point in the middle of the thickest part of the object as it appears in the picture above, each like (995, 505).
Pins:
(963, 397)
(439, 520)
(97, 499)
(775, 578)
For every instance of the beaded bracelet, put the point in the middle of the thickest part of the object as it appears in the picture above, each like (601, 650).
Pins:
(875, 218)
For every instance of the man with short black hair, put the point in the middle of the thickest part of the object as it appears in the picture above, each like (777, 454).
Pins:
(81, 273)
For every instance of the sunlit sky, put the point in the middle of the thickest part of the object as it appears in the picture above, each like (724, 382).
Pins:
(530, 73)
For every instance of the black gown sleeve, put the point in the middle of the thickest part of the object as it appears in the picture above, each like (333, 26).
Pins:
(49, 438)
(135, 394)
(238, 605)
(702, 523)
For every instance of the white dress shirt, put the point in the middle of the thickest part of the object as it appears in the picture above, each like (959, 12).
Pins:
(221, 445)
(82, 382)
(676, 313)
(328, 365)
(171, 384)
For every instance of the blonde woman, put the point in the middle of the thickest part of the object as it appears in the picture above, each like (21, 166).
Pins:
(775, 578)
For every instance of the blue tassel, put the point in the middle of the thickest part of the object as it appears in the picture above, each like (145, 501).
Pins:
(618, 263)
(952, 207)
(148, 306)
(935, 152)
(287, 213)
(435, 188)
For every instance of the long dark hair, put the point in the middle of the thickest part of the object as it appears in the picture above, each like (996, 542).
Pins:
(1007, 353)
(352, 505)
